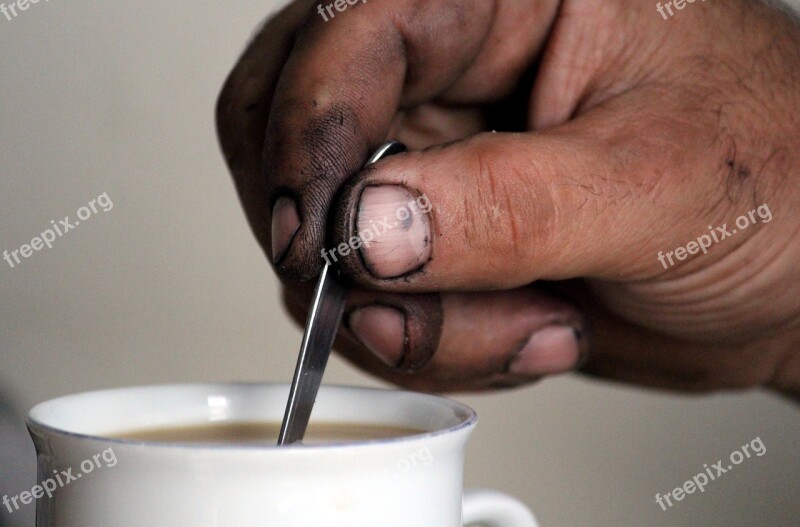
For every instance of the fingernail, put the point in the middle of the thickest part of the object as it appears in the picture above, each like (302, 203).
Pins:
(382, 330)
(554, 349)
(285, 224)
(396, 235)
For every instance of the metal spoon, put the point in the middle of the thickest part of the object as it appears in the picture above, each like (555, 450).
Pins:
(323, 322)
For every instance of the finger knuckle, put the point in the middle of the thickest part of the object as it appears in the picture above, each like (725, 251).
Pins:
(508, 212)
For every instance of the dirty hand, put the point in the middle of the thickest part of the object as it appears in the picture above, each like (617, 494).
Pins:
(643, 181)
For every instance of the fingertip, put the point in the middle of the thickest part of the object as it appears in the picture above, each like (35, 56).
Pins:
(307, 162)
(549, 351)
(402, 331)
(384, 227)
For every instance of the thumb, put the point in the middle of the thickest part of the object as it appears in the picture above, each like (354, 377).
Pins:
(498, 211)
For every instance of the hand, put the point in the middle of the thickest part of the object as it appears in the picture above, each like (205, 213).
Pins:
(622, 137)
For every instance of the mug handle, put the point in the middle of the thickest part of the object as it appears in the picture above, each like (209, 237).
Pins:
(495, 509)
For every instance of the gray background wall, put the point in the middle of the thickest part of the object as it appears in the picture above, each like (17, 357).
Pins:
(169, 285)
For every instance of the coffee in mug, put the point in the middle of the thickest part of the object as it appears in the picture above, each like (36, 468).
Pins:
(265, 433)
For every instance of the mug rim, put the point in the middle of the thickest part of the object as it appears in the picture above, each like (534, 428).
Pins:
(466, 415)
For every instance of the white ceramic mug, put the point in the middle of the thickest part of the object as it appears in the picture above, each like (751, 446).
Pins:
(413, 481)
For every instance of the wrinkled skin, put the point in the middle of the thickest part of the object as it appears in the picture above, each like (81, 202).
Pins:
(620, 135)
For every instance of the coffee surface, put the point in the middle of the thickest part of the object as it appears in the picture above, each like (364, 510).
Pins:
(264, 433)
